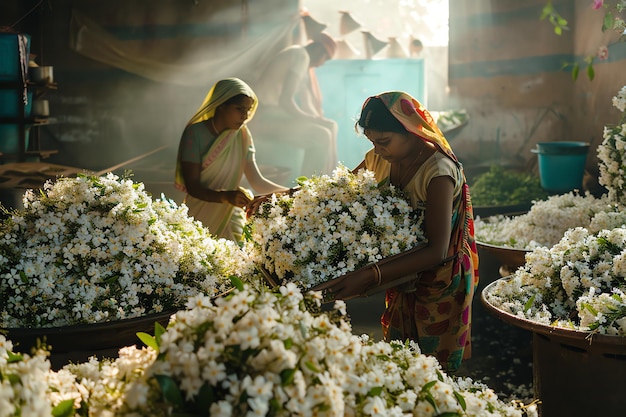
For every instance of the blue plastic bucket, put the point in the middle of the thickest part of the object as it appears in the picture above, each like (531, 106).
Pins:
(562, 165)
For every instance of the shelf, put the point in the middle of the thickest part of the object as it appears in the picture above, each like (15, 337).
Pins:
(25, 145)
(14, 85)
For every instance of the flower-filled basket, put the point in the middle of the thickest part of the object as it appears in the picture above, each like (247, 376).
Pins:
(332, 225)
(89, 261)
(573, 298)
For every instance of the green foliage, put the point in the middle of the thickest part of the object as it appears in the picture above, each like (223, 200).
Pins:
(559, 23)
(503, 187)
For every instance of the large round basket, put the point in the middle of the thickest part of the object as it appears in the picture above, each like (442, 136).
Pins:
(575, 373)
(79, 342)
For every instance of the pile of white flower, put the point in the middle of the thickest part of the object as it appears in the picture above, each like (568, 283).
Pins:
(612, 154)
(545, 223)
(577, 283)
(258, 352)
(95, 249)
(547, 220)
(334, 224)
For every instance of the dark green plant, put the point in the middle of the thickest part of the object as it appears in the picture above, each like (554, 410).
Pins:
(503, 187)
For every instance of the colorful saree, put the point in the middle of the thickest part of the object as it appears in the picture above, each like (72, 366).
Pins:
(435, 310)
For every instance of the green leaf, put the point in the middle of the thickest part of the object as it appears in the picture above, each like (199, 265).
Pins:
(13, 379)
(158, 332)
(237, 283)
(311, 366)
(14, 357)
(529, 303)
(204, 399)
(432, 401)
(375, 392)
(608, 22)
(449, 414)
(64, 409)
(148, 340)
(286, 376)
(288, 343)
(170, 390)
(461, 400)
(590, 72)
(590, 308)
(428, 386)
(575, 71)
(301, 180)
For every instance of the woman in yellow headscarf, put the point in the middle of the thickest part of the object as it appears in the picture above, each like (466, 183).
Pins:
(215, 151)
(433, 309)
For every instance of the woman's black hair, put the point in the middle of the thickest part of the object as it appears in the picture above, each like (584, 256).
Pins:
(376, 116)
(235, 99)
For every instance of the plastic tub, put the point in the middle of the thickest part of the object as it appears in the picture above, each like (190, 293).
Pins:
(561, 165)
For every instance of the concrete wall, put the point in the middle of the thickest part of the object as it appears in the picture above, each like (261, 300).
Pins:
(506, 69)
(119, 100)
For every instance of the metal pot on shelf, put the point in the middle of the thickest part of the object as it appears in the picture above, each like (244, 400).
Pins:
(43, 74)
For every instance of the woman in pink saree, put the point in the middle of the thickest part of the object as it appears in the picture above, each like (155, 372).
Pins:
(216, 150)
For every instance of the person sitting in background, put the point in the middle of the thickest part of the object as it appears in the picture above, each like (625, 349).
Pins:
(434, 309)
(291, 111)
(216, 150)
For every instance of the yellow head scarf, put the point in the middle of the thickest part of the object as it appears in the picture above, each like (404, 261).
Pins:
(221, 92)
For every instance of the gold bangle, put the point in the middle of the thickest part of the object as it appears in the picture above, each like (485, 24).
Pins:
(379, 277)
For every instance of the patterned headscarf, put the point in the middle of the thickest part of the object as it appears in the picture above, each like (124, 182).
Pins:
(415, 118)
(220, 93)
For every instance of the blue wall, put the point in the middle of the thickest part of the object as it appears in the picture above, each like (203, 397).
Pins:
(346, 83)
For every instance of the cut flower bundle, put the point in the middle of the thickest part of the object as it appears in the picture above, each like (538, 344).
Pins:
(334, 224)
(257, 352)
(95, 249)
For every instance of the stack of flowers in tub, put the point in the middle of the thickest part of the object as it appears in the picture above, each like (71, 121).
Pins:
(578, 282)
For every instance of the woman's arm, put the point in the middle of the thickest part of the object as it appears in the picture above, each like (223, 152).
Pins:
(438, 225)
(257, 181)
(191, 176)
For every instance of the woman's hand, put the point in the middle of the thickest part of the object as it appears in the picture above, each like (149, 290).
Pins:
(256, 202)
(351, 285)
(238, 198)
(253, 207)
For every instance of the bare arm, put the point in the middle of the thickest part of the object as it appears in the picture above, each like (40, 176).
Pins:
(438, 226)
(191, 176)
(257, 181)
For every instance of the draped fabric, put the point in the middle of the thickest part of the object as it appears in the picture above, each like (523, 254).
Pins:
(199, 55)
(223, 164)
(435, 310)
(222, 170)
